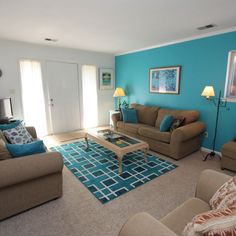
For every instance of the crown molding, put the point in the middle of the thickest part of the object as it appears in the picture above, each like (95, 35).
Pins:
(228, 30)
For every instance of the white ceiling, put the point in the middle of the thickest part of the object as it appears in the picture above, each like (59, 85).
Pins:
(112, 26)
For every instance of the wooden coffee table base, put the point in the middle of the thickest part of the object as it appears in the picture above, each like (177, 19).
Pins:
(120, 152)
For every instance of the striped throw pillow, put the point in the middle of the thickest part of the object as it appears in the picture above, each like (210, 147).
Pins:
(225, 196)
(220, 222)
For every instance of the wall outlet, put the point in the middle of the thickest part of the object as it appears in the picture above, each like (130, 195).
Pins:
(205, 134)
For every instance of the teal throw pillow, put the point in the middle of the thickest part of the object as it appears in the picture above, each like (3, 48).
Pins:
(166, 123)
(10, 125)
(17, 150)
(129, 115)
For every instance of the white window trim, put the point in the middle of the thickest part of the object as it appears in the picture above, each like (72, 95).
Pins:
(227, 81)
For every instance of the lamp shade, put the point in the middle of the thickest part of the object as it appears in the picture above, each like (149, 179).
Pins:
(119, 92)
(208, 92)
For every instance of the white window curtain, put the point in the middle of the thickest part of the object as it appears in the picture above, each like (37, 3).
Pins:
(90, 107)
(33, 96)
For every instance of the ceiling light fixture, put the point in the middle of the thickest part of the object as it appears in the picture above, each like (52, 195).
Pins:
(206, 27)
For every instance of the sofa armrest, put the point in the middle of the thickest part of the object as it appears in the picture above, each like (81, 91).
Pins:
(32, 131)
(208, 183)
(143, 224)
(187, 132)
(115, 118)
(18, 170)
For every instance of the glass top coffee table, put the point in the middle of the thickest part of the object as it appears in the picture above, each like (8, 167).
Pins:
(118, 143)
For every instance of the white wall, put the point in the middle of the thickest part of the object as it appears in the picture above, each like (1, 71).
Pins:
(11, 52)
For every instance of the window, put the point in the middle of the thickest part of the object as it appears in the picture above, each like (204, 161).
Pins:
(230, 84)
(33, 96)
(90, 107)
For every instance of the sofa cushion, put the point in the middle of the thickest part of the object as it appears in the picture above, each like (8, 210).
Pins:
(134, 128)
(178, 218)
(130, 127)
(189, 115)
(154, 133)
(146, 114)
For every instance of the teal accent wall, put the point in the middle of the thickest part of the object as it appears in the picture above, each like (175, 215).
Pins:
(203, 62)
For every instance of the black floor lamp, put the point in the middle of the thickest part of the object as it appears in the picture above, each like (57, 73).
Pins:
(209, 94)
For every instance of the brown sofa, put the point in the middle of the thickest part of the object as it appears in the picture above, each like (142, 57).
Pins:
(28, 181)
(173, 224)
(177, 144)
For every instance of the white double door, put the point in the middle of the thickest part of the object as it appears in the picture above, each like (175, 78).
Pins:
(63, 97)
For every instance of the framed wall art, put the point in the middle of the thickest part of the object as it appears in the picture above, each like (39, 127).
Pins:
(106, 79)
(165, 80)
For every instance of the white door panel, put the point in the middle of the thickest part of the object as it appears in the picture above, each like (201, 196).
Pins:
(63, 89)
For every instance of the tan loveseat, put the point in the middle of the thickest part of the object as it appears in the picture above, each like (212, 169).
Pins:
(28, 181)
(177, 144)
(143, 224)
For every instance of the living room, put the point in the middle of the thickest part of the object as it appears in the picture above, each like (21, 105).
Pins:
(123, 115)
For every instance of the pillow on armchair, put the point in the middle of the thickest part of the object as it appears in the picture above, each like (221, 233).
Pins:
(18, 135)
(225, 196)
(215, 222)
(35, 147)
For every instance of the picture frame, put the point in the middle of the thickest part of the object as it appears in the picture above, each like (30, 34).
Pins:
(106, 79)
(165, 80)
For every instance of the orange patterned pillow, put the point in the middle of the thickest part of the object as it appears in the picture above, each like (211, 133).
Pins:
(225, 196)
(220, 222)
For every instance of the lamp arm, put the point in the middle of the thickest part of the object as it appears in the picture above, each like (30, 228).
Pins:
(219, 101)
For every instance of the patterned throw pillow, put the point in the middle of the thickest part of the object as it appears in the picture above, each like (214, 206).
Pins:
(220, 222)
(177, 122)
(18, 135)
(225, 196)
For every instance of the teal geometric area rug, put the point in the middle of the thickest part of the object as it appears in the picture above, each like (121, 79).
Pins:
(97, 169)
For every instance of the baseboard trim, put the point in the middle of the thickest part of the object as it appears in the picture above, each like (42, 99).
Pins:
(210, 150)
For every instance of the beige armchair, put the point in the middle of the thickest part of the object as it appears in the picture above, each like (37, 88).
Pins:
(228, 160)
(28, 181)
(143, 224)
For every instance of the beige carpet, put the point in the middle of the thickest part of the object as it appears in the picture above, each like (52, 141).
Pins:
(78, 212)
